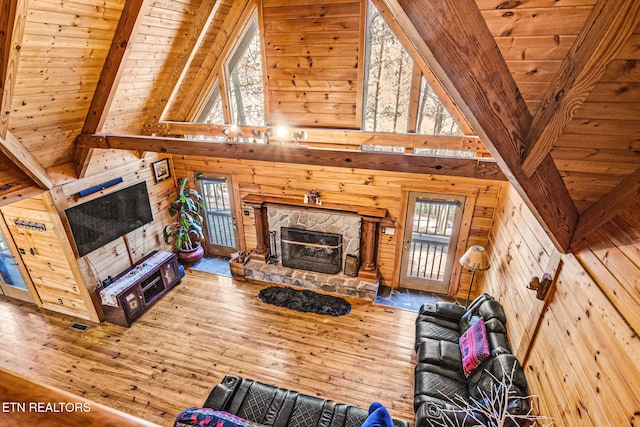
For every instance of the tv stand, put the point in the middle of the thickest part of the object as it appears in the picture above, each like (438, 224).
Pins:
(140, 286)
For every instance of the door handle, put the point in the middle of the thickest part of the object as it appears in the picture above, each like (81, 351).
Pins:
(234, 222)
(406, 245)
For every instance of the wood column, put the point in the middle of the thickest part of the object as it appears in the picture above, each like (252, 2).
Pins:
(261, 251)
(368, 249)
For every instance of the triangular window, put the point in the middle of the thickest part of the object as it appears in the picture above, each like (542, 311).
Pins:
(245, 85)
(389, 89)
(387, 78)
(212, 113)
(433, 117)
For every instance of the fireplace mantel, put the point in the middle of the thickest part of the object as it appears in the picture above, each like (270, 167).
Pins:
(371, 217)
(363, 211)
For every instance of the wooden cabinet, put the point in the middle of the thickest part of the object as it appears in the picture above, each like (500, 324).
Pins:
(136, 289)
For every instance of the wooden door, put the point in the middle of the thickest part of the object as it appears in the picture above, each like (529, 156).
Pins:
(221, 229)
(14, 280)
(45, 251)
(431, 232)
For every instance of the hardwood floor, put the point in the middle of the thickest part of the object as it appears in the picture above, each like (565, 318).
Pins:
(203, 329)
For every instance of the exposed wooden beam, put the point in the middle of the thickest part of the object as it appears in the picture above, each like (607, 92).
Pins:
(436, 85)
(25, 161)
(607, 29)
(609, 206)
(480, 168)
(13, 14)
(458, 47)
(197, 31)
(111, 74)
(338, 138)
(20, 194)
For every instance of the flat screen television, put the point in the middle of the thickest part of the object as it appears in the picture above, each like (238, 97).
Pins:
(102, 220)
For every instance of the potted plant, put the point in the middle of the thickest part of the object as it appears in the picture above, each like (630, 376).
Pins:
(186, 230)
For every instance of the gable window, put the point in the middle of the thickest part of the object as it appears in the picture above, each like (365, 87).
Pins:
(212, 113)
(433, 117)
(244, 96)
(246, 86)
(387, 78)
(394, 101)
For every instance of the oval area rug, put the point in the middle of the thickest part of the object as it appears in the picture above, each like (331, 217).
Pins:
(305, 300)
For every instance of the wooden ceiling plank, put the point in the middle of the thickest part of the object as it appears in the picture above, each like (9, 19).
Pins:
(474, 167)
(199, 89)
(193, 40)
(25, 161)
(12, 23)
(13, 15)
(625, 194)
(113, 67)
(112, 72)
(604, 34)
(458, 47)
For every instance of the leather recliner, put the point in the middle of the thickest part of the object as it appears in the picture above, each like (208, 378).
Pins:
(443, 395)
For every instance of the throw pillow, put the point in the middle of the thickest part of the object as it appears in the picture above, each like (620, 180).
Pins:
(207, 417)
(474, 347)
(378, 416)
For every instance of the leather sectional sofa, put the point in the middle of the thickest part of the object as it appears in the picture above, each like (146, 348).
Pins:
(268, 405)
(447, 396)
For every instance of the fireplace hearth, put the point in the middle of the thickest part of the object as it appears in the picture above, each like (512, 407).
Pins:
(311, 250)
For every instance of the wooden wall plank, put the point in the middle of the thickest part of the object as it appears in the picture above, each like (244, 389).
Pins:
(353, 186)
(591, 315)
(296, 47)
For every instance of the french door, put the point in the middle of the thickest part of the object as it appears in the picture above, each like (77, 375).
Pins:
(431, 232)
(220, 221)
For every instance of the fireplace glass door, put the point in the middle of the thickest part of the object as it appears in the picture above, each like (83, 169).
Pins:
(431, 233)
(220, 221)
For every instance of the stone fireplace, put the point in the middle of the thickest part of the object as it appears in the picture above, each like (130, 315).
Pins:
(311, 232)
(316, 223)
(311, 250)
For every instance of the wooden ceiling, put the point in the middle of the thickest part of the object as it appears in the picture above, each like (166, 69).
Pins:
(551, 87)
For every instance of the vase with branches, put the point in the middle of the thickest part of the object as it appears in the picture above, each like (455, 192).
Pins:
(491, 408)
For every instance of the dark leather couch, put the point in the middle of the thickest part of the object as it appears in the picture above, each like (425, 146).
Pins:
(441, 388)
(272, 406)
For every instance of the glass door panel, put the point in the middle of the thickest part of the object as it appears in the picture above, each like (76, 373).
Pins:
(220, 220)
(12, 283)
(431, 234)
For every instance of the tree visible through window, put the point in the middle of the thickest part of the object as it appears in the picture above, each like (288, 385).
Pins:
(388, 78)
(388, 87)
(246, 86)
(433, 117)
(212, 112)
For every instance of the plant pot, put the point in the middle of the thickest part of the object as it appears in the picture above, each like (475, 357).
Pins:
(190, 257)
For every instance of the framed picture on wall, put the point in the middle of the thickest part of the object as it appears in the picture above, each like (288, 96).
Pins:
(161, 170)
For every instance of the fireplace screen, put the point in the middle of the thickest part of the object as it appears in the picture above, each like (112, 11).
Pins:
(311, 250)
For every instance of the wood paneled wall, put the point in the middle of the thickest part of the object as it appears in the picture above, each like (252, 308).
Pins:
(48, 257)
(62, 282)
(314, 62)
(120, 254)
(61, 54)
(580, 349)
(358, 187)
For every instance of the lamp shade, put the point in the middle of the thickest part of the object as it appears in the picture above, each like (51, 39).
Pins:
(475, 259)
